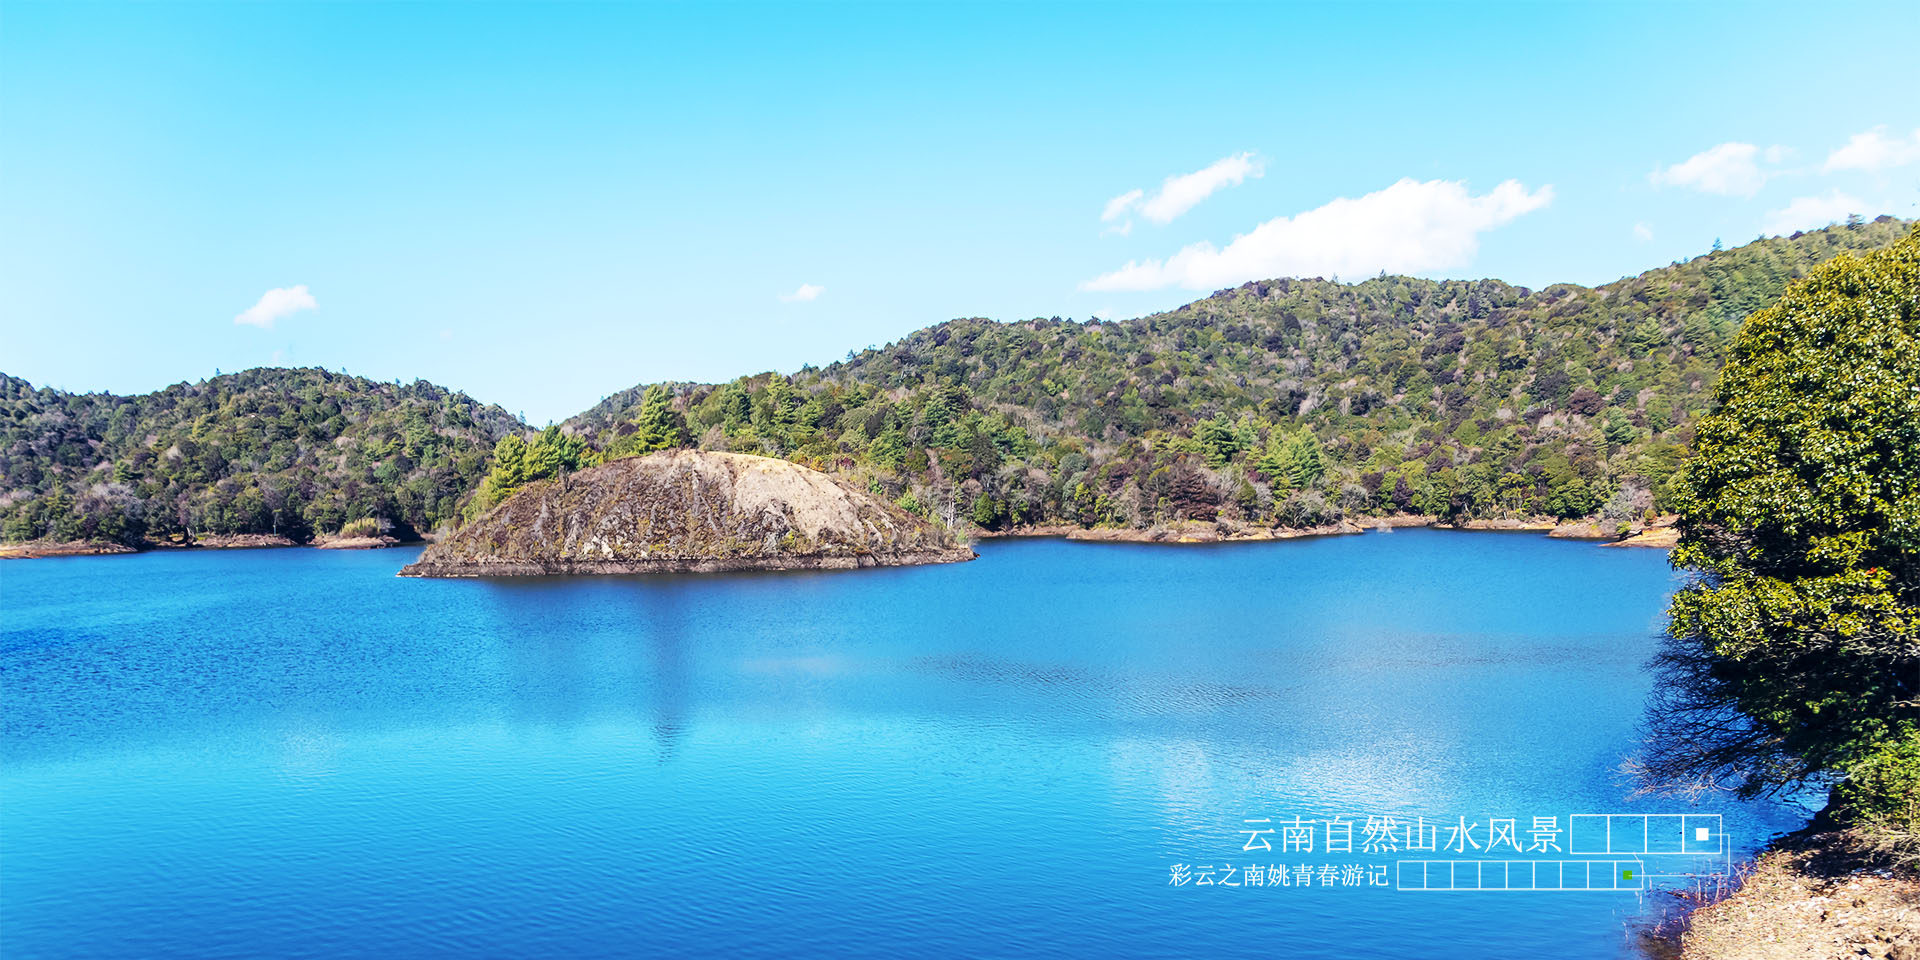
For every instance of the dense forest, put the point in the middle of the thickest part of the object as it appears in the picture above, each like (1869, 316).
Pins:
(1284, 401)
(1290, 402)
(294, 452)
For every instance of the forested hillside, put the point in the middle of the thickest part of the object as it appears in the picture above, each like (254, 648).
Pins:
(295, 452)
(1285, 400)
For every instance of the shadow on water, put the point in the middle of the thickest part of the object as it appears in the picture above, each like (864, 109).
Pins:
(596, 648)
(666, 638)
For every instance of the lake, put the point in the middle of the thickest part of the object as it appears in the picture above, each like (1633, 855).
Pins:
(295, 753)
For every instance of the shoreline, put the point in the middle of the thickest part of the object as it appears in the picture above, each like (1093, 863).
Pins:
(44, 549)
(1811, 894)
(1660, 534)
(563, 568)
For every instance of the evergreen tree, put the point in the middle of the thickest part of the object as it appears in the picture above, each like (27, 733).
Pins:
(1303, 462)
(1276, 463)
(659, 425)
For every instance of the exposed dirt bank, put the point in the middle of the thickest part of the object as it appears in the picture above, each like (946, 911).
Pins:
(1811, 898)
(34, 549)
(688, 511)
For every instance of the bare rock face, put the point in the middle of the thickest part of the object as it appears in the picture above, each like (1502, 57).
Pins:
(688, 511)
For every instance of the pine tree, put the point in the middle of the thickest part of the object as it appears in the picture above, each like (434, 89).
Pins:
(1304, 464)
(660, 426)
(1273, 462)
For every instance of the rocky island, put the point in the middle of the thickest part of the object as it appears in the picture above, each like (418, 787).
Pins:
(688, 511)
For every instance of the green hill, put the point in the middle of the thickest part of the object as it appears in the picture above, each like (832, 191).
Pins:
(297, 452)
(1280, 401)
(1287, 400)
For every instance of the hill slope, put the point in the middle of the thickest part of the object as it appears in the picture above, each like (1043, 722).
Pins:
(1287, 400)
(297, 452)
(1283, 401)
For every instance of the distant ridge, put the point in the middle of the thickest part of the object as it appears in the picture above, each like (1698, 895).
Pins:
(298, 452)
(1293, 402)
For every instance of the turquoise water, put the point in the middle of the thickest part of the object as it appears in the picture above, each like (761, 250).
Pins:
(295, 753)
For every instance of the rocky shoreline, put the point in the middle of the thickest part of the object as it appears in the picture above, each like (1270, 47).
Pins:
(1197, 532)
(1660, 538)
(38, 549)
(566, 568)
(1811, 896)
(361, 543)
(1659, 533)
(214, 541)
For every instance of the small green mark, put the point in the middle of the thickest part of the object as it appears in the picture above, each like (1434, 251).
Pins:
(1626, 874)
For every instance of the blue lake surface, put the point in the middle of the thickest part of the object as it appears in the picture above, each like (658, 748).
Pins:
(295, 753)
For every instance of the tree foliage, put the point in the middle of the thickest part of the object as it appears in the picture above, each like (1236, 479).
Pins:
(295, 452)
(517, 463)
(1794, 657)
(1462, 398)
(1279, 401)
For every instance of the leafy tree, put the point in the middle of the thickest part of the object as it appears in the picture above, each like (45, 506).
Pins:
(1794, 658)
(986, 513)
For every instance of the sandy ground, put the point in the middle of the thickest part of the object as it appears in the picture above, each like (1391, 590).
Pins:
(59, 548)
(1811, 900)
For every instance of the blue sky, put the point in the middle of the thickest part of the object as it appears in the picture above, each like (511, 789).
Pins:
(543, 203)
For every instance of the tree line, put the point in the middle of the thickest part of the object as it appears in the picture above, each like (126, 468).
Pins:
(1293, 402)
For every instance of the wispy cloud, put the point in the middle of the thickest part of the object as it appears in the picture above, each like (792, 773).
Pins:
(806, 292)
(1409, 227)
(1118, 206)
(1179, 194)
(1806, 213)
(1642, 232)
(1182, 192)
(1874, 151)
(277, 304)
(1730, 169)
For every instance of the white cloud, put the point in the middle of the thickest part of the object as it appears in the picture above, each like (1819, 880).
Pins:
(1178, 194)
(1806, 213)
(1120, 205)
(1874, 151)
(1409, 227)
(276, 304)
(806, 292)
(1642, 232)
(1729, 169)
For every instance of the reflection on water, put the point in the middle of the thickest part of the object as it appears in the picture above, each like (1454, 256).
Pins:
(297, 753)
